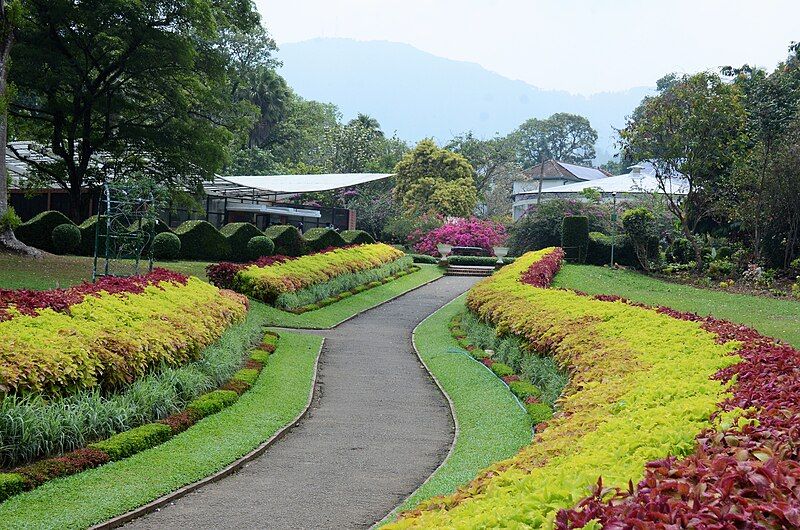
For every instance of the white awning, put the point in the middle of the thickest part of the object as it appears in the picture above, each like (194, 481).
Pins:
(303, 183)
(278, 210)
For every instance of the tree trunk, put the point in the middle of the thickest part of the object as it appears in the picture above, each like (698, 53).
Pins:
(8, 241)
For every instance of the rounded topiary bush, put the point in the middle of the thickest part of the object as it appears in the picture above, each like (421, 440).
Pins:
(239, 236)
(321, 238)
(166, 245)
(38, 231)
(202, 241)
(287, 239)
(357, 237)
(66, 238)
(260, 246)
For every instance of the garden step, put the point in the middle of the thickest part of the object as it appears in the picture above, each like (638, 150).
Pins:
(469, 270)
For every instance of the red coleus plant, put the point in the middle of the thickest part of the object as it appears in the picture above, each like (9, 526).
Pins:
(541, 273)
(29, 302)
(744, 476)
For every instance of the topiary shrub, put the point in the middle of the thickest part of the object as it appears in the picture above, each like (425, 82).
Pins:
(524, 389)
(539, 412)
(502, 370)
(575, 237)
(640, 227)
(37, 231)
(321, 238)
(166, 246)
(158, 227)
(599, 252)
(287, 240)
(130, 442)
(260, 246)
(239, 236)
(201, 241)
(424, 258)
(66, 238)
(211, 403)
(357, 237)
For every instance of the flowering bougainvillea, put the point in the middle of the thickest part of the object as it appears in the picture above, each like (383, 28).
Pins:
(472, 232)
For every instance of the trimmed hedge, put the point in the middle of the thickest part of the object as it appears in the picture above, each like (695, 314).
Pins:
(201, 241)
(424, 258)
(166, 246)
(11, 484)
(130, 442)
(477, 260)
(211, 403)
(357, 237)
(37, 231)
(600, 250)
(575, 237)
(66, 238)
(321, 238)
(287, 240)
(260, 246)
(238, 236)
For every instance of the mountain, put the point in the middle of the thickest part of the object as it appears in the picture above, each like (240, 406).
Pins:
(417, 94)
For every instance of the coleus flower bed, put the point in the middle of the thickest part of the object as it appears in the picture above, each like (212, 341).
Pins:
(643, 384)
(268, 281)
(140, 438)
(108, 333)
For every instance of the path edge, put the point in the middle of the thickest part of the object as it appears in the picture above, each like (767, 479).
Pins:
(228, 470)
(450, 404)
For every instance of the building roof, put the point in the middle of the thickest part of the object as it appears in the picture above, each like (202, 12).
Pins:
(553, 169)
(296, 183)
(640, 180)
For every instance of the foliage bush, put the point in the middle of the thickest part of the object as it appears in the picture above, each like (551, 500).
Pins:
(267, 283)
(357, 237)
(260, 246)
(66, 238)
(472, 232)
(640, 227)
(541, 227)
(502, 369)
(166, 246)
(720, 269)
(11, 484)
(424, 258)
(486, 261)
(539, 412)
(524, 389)
(84, 337)
(9, 220)
(287, 240)
(599, 252)
(680, 251)
(575, 237)
(321, 238)
(130, 442)
(201, 241)
(238, 236)
(37, 231)
(211, 403)
(51, 468)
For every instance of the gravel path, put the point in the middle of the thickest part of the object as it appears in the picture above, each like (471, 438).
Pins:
(377, 429)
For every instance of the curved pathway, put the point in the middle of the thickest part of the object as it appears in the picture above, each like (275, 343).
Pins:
(377, 429)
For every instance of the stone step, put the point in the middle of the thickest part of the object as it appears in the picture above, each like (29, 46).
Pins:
(469, 270)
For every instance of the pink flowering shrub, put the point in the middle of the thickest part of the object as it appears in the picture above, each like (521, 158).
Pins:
(472, 232)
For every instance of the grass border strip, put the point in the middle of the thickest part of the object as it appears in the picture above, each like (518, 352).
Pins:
(230, 469)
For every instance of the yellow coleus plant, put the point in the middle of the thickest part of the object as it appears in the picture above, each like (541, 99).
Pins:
(266, 283)
(113, 338)
(640, 390)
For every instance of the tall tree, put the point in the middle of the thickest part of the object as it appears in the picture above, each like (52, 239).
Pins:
(693, 128)
(434, 180)
(564, 137)
(143, 84)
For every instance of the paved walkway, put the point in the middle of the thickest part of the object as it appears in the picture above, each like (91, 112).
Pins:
(377, 430)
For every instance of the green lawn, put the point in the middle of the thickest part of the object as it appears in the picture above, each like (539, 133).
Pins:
(94, 496)
(334, 314)
(772, 317)
(17, 272)
(492, 426)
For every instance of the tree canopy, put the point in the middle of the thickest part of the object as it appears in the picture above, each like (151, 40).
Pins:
(564, 137)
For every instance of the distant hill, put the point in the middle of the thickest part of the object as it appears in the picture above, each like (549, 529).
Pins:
(418, 94)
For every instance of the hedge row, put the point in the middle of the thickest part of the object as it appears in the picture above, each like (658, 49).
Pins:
(199, 240)
(642, 388)
(140, 438)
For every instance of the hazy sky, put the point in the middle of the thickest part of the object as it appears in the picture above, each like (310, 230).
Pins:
(581, 46)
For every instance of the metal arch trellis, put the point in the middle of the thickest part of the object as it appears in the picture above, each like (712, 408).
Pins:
(124, 231)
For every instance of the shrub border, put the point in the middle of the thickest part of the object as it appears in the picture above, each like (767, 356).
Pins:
(185, 419)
